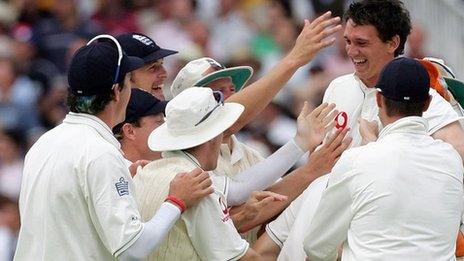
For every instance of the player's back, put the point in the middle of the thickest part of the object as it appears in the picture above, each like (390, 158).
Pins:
(407, 199)
(57, 223)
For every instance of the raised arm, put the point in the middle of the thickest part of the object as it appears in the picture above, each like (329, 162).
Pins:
(310, 41)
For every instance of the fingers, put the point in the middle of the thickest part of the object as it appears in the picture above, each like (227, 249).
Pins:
(332, 137)
(326, 26)
(195, 172)
(321, 18)
(206, 183)
(261, 195)
(343, 146)
(339, 136)
(330, 119)
(304, 110)
(326, 43)
(329, 127)
(319, 109)
(325, 112)
(206, 192)
(326, 32)
(199, 176)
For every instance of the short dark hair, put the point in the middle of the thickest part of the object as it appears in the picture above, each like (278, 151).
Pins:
(91, 104)
(118, 134)
(397, 108)
(389, 17)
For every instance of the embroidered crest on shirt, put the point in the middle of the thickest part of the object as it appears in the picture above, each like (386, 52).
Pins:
(122, 187)
(224, 208)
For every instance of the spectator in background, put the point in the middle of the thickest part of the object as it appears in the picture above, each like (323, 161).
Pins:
(116, 17)
(11, 163)
(9, 227)
(18, 97)
(282, 32)
(52, 105)
(169, 29)
(415, 46)
(55, 34)
(226, 41)
(40, 70)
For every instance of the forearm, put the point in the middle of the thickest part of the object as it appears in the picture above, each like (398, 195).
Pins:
(291, 186)
(239, 218)
(264, 173)
(265, 88)
(266, 247)
(153, 233)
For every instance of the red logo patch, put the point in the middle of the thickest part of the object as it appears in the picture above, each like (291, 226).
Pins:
(224, 208)
(341, 120)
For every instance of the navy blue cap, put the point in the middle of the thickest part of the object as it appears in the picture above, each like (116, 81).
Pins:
(93, 69)
(404, 80)
(141, 104)
(142, 46)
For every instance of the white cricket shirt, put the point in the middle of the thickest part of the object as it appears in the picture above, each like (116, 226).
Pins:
(205, 230)
(76, 199)
(399, 197)
(352, 96)
(288, 230)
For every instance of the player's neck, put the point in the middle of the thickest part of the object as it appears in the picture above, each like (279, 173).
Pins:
(201, 154)
(370, 82)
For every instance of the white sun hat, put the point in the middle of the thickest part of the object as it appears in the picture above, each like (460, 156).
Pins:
(194, 117)
(192, 75)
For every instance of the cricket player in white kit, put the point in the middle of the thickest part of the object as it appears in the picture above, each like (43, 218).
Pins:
(399, 197)
(371, 42)
(76, 200)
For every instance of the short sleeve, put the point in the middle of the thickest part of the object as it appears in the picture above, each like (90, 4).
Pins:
(279, 229)
(109, 191)
(221, 243)
(440, 113)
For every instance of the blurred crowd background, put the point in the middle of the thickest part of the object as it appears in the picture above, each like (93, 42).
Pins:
(38, 38)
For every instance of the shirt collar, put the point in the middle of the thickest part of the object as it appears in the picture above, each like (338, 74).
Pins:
(237, 151)
(363, 87)
(411, 124)
(94, 122)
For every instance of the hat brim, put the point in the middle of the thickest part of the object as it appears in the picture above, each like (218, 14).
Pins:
(159, 107)
(240, 75)
(161, 53)
(456, 88)
(162, 140)
(129, 64)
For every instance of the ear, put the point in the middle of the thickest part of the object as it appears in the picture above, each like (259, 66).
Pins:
(128, 131)
(393, 44)
(378, 98)
(116, 92)
(427, 103)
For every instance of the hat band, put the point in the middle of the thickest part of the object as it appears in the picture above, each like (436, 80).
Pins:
(192, 129)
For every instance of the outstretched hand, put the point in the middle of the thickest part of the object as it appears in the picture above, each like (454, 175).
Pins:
(322, 161)
(313, 38)
(243, 215)
(313, 126)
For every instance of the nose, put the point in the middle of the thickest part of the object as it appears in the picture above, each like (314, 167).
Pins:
(163, 74)
(351, 50)
(228, 91)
